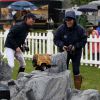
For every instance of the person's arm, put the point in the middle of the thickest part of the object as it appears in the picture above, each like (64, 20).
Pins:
(58, 37)
(82, 38)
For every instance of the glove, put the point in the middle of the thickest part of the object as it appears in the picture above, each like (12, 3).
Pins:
(65, 48)
(70, 48)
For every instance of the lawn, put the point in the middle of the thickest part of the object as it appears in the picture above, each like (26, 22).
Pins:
(91, 75)
(28, 68)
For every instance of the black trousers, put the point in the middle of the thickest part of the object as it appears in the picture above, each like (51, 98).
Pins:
(75, 58)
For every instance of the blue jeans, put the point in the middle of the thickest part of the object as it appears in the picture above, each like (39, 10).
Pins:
(75, 57)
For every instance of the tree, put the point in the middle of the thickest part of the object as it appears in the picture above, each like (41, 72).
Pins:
(80, 2)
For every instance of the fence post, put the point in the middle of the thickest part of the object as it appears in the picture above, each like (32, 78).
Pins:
(49, 41)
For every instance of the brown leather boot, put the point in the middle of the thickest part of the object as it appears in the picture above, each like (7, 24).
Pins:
(77, 81)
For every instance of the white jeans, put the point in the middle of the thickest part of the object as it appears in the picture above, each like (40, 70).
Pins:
(10, 54)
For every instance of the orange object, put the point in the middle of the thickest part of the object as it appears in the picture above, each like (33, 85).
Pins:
(40, 59)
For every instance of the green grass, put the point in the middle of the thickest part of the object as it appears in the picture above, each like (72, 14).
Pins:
(91, 75)
(28, 68)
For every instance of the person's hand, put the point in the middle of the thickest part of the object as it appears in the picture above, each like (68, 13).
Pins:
(18, 49)
(65, 48)
(71, 48)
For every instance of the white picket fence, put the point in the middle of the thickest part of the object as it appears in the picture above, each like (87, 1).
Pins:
(42, 43)
(87, 56)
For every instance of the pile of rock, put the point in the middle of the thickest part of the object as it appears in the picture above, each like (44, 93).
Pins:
(43, 85)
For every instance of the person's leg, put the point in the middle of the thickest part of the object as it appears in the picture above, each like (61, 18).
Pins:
(10, 56)
(19, 56)
(76, 70)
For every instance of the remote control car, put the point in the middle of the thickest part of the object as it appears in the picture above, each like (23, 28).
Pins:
(41, 61)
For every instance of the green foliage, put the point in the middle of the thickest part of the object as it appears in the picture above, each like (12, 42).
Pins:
(82, 20)
(80, 2)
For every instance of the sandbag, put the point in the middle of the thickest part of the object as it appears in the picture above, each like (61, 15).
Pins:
(5, 70)
(42, 86)
(89, 94)
(49, 86)
(58, 62)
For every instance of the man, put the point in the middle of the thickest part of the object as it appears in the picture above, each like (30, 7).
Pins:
(71, 37)
(16, 38)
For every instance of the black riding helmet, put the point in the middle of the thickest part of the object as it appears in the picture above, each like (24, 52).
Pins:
(29, 15)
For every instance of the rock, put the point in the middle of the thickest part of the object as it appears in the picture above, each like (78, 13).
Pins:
(42, 86)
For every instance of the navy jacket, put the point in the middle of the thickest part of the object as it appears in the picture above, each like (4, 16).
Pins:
(75, 35)
(17, 35)
(70, 36)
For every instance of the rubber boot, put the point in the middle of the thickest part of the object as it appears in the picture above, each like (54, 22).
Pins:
(21, 69)
(77, 81)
